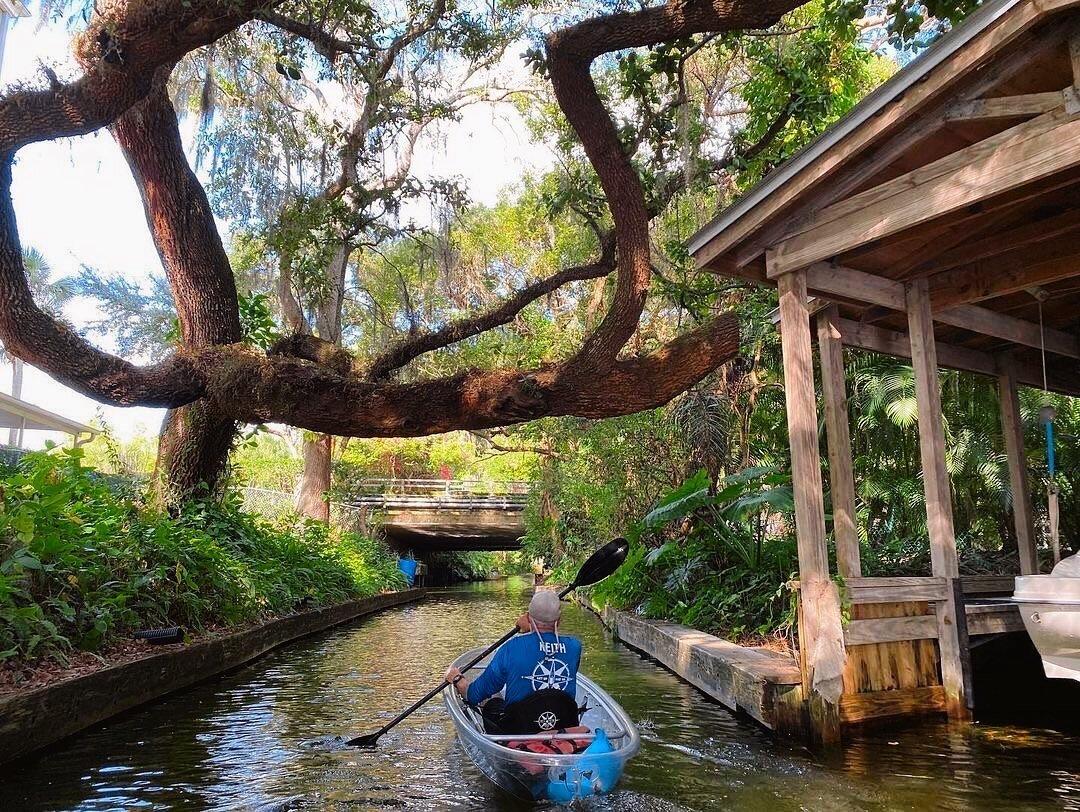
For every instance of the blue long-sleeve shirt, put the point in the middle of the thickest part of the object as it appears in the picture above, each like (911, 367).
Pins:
(524, 664)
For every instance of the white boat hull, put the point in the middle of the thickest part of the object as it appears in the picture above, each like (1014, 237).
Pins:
(1050, 608)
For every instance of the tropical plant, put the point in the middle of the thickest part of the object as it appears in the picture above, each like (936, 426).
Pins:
(704, 556)
(82, 562)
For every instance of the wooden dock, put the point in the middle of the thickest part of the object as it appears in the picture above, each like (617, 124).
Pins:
(930, 224)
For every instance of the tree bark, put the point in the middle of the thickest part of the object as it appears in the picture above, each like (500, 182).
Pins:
(311, 499)
(311, 495)
(194, 446)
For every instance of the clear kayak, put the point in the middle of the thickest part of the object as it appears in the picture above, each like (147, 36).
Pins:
(610, 742)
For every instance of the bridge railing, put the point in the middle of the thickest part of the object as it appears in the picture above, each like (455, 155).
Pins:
(442, 494)
(442, 487)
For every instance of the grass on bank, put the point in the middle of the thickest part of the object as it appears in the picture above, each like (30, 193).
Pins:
(85, 561)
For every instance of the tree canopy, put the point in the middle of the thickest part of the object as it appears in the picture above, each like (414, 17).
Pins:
(310, 116)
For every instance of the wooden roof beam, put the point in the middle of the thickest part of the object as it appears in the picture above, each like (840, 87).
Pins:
(1026, 105)
(915, 111)
(988, 279)
(1021, 155)
(991, 245)
(898, 344)
(848, 284)
(1008, 328)
(861, 336)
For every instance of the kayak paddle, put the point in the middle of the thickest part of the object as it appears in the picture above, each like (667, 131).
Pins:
(598, 567)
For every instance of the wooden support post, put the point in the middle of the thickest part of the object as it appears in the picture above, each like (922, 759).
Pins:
(1013, 428)
(939, 514)
(1074, 56)
(841, 468)
(806, 482)
(964, 643)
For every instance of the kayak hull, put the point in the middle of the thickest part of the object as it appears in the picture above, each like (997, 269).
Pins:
(543, 777)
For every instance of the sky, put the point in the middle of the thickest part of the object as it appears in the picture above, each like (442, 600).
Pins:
(76, 203)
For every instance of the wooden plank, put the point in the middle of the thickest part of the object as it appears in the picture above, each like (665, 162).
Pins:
(915, 131)
(931, 432)
(884, 594)
(1033, 151)
(985, 584)
(890, 630)
(988, 279)
(941, 610)
(856, 708)
(1001, 618)
(838, 433)
(802, 427)
(896, 581)
(892, 342)
(943, 167)
(939, 515)
(1008, 328)
(806, 478)
(889, 666)
(1012, 426)
(1001, 242)
(1028, 104)
(853, 285)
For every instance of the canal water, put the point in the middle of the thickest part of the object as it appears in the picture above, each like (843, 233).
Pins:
(267, 737)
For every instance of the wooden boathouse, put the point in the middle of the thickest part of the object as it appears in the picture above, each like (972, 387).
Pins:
(929, 224)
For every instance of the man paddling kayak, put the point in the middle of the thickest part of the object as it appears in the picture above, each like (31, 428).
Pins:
(537, 672)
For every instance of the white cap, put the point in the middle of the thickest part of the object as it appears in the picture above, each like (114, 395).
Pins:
(545, 606)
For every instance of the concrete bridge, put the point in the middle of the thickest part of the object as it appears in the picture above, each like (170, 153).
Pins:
(435, 515)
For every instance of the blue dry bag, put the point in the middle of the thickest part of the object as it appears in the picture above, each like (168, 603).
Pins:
(590, 776)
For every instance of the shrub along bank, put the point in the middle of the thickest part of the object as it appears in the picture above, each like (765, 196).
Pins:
(84, 562)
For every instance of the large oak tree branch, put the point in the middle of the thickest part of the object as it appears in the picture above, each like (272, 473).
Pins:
(570, 54)
(258, 389)
(132, 42)
(122, 47)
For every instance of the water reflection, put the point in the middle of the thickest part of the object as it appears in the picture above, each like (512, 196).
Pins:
(269, 737)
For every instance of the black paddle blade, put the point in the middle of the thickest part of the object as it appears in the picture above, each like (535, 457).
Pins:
(602, 563)
(368, 742)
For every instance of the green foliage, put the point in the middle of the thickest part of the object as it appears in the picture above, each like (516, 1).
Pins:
(81, 563)
(806, 79)
(257, 324)
(266, 460)
(717, 569)
(478, 565)
(909, 25)
(141, 319)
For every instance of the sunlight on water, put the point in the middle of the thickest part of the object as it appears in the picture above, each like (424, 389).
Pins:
(270, 737)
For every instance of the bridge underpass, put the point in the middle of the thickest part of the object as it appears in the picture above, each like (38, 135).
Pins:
(429, 516)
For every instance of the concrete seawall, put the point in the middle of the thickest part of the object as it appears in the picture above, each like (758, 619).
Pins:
(766, 685)
(35, 719)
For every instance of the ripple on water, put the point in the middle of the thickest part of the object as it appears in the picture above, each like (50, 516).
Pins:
(271, 737)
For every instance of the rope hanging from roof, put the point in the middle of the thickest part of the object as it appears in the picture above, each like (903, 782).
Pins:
(1046, 417)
